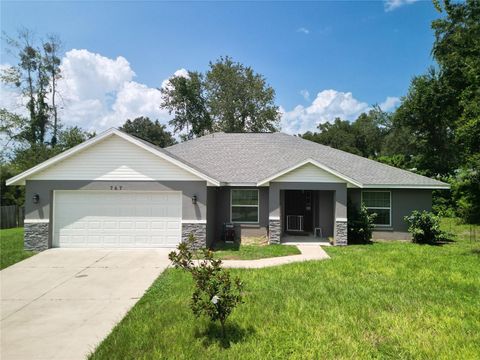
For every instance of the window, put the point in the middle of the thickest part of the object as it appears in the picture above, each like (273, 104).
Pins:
(244, 205)
(378, 202)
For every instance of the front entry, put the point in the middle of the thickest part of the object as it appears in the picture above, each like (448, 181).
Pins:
(298, 211)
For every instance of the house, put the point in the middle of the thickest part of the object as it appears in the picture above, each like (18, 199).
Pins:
(116, 190)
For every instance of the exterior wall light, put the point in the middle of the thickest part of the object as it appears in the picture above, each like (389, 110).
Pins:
(36, 198)
(194, 199)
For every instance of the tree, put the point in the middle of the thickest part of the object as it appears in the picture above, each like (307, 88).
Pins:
(72, 136)
(238, 99)
(13, 127)
(457, 51)
(370, 130)
(24, 156)
(36, 75)
(150, 131)
(216, 293)
(466, 191)
(10, 195)
(428, 113)
(230, 97)
(51, 60)
(338, 134)
(364, 136)
(185, 97)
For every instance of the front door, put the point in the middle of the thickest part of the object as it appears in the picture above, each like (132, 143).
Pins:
(299, 210)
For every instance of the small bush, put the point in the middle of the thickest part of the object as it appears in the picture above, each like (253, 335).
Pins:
(425, 228)
(216, 294)
(360, 224)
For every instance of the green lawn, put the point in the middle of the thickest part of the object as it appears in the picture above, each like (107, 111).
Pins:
(11, 247)
(387, 300)
(252, 252)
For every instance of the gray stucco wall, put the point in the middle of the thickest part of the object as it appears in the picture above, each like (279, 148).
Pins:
(211, 214)
(404, 201)
(45, 189)
(222, 211)
(324, 212)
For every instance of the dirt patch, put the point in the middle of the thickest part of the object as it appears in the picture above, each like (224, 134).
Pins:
(254, 240)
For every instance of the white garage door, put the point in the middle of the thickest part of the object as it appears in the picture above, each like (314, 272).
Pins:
(117, 219)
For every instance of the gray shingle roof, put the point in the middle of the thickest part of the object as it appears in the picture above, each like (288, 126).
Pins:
(253, 157)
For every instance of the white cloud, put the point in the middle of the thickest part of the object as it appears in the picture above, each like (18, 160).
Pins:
(305, 94)
(328, 105)
(303, 30)
(390, 103)
(87, 75)
(97, 92)
(391, 5)
(179, 73)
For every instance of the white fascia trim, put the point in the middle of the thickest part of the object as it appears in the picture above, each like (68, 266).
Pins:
(194, 221)
(20, 178)
(315, 163)
(249, 184)
(386, 186)
(36, 221)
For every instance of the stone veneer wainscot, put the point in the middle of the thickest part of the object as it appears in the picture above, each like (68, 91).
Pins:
(341, 231)
(36, 235)
(274, 231)
(199, 230)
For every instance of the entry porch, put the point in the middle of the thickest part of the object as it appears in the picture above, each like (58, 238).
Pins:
(308, 213)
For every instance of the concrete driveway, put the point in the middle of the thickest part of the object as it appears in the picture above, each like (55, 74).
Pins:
(61, 303)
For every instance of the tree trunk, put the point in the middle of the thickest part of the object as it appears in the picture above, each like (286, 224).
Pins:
(222, 323)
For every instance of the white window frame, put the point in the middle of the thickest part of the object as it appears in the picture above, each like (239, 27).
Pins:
(257, 206)
(379, 207)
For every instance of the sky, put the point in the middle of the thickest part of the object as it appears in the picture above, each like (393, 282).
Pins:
(324, 59)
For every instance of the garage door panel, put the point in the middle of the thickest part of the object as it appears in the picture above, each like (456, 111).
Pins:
(117, 219)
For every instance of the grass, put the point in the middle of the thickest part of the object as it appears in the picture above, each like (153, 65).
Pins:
(11, 247)
(251, 252)
(386, 300)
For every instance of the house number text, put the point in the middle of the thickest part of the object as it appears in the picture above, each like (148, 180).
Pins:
(116, 187)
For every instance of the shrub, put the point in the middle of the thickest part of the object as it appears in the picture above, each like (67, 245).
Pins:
(360, 224)
(425, 228)
(216, 294)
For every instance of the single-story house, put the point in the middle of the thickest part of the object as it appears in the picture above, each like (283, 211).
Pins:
(116, 190)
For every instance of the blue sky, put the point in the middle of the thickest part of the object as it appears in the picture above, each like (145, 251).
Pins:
(369, 49)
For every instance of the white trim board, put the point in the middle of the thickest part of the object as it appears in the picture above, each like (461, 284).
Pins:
(426, 187)
(347, 179)
(36, 221)
(20, 178)
(194, 221)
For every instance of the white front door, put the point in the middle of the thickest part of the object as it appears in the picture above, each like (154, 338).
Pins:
(116, 219)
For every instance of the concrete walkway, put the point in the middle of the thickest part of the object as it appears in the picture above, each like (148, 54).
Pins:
(61, 303)
(308, 252)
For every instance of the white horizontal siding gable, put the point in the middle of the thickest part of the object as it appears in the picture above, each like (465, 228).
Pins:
(114, 159)
(308, 173)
